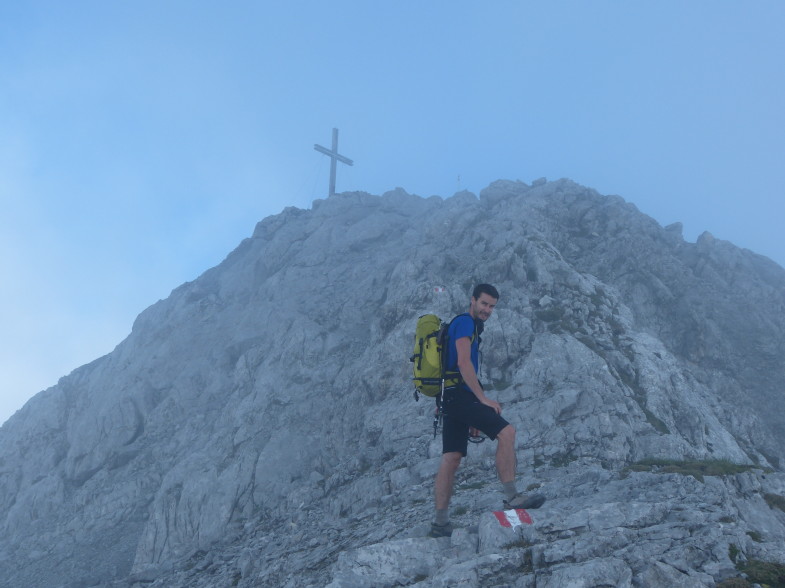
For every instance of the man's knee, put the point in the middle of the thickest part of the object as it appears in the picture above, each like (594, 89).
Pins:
(506, 435)
(451, 460)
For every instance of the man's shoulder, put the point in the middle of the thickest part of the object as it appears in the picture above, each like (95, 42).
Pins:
(464, 316)
(462, 325)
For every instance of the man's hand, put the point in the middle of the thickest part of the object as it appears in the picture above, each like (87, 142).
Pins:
(493, 404)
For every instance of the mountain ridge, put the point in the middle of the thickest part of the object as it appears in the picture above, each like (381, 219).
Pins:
(197, 442)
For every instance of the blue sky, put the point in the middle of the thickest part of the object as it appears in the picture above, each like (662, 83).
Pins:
(141, 141)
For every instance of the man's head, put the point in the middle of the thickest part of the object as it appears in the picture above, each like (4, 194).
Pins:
(484, 299)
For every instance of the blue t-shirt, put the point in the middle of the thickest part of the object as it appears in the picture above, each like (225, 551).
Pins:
(462, 326)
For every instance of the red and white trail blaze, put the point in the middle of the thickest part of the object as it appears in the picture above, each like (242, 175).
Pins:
(513, 517)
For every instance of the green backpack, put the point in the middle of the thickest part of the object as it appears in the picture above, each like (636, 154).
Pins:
(429, 358)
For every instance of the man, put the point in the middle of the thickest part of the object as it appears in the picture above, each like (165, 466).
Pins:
(467, 409)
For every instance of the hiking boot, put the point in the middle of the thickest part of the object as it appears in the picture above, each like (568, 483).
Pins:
(525, 502)
(440, 530)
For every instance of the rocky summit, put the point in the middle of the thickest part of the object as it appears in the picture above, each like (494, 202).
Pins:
(258, 427)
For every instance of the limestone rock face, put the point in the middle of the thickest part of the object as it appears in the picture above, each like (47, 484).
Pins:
(257, 428)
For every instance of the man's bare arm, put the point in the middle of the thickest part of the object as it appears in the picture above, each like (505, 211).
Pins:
(464, 348)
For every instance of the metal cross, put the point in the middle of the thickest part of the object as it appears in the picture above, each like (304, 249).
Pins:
(334, 158)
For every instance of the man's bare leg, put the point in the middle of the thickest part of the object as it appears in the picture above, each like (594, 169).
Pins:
(445, 479)
(443, 486)
(505, 454)
(505, 466)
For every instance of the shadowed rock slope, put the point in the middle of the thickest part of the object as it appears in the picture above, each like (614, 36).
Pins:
(257, 427)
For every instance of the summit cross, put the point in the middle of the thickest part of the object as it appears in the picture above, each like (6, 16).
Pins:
(334, 159)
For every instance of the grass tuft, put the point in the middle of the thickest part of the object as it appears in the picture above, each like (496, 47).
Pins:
(755, 536)
(765, 573)
(775, 501)
(696, 469)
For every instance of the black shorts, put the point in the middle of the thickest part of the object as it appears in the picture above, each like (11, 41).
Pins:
(462, 410)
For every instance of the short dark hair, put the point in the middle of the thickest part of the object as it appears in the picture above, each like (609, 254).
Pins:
(481, 289)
